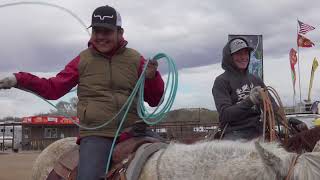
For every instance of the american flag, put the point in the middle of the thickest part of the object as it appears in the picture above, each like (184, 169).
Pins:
(304, 28)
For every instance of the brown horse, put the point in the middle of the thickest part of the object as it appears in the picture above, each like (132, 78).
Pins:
(303, 141)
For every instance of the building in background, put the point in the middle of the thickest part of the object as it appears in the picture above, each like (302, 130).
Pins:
(10, 135)
(183, 125)
(40, 131)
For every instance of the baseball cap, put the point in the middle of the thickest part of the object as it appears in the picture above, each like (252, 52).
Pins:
(238, 44)
(106, 16)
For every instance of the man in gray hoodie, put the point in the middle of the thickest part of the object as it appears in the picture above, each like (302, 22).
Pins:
(236, 93)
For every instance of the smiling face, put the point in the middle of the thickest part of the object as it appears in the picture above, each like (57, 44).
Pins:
(241, 59)
(104, 39)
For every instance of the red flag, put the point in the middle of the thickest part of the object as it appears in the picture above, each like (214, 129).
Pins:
(304, 28)
(304, 42)
(293, 60)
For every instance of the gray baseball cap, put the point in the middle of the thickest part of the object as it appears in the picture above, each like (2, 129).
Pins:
(238, 44)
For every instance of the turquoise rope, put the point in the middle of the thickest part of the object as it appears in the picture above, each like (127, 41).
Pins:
(172, 82)
(143, 113)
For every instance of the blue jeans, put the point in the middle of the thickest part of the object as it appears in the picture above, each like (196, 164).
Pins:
(94, 151)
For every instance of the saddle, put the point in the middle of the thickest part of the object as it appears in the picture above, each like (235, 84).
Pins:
(128, 159)
(66, 167)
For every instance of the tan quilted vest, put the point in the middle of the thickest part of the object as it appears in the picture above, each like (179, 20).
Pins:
(104, 86)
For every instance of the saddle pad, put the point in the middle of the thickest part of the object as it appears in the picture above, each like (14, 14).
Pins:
(67, 163)
(70, 159)
(127, 147)
(141, 156)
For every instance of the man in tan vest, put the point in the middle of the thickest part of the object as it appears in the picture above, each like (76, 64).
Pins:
(106, 73)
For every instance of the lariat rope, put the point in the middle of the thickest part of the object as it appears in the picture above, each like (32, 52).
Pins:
(269, 121)
(172, 82)
(270, 114)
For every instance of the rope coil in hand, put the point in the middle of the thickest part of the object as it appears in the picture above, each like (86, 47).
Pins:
(270, 114)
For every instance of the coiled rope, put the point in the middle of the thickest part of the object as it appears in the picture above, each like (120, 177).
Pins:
(271, 115)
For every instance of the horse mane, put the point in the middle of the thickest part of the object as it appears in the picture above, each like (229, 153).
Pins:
(303, 141)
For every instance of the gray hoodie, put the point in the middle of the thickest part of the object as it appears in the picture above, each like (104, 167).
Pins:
(231, 92)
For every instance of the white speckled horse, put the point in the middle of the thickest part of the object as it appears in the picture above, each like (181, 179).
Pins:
(222, 160)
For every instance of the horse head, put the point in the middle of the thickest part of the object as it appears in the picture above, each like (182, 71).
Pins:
(278, 162)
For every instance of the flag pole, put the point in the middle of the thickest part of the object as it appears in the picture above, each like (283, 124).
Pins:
(299, 65)
(310, 85)
(294, 92)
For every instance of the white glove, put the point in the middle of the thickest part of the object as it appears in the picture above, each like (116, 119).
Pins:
(8, 82)
(255, 96)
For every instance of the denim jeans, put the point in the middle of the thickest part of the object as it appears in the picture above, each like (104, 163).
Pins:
(94, 151)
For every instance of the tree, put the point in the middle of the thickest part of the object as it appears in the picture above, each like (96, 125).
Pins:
(10, 118)
(66, 108)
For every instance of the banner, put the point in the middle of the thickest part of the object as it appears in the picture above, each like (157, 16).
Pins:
(304, 28)
(256, 57)
(313, 69)
(304, 42)
(293, 61)
(49, 120)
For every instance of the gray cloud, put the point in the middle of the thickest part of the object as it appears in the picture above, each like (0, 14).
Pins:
(192, 32)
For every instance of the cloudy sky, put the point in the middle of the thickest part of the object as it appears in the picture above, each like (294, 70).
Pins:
(42, 40)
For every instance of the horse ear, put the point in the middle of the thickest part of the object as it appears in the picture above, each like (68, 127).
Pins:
(316, 147)
(271, 160)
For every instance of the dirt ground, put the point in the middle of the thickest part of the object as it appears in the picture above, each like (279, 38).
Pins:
(16, 166)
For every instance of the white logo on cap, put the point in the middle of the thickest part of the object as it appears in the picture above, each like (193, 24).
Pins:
(239, 42)
(102, 17)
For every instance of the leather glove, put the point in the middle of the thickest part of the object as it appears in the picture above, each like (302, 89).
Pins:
(255, 96)
(151, 69)
(8, 82)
